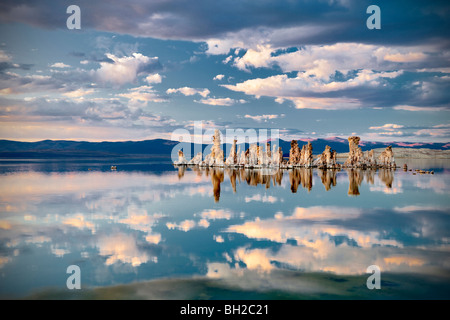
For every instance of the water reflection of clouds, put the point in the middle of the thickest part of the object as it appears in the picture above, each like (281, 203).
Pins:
(120, 221)
(79, 221)
(27, 187)
(322, 239)
(186, 225)
(264, 198)
(139, 219)
(203, 222)
(440, 186)
(308, 225)
(122, 247)
(80, 207)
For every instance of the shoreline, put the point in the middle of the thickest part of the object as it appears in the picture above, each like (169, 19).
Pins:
(407, 153)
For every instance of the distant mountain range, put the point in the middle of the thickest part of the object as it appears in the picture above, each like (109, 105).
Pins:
(163, 148)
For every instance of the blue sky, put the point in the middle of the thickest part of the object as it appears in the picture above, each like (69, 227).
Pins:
(141, 69)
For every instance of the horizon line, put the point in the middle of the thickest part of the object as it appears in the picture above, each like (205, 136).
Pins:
(362, 142)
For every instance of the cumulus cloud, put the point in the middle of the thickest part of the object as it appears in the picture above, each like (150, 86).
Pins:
(142, 94)
(153, 78)
(320, 72)
(407, 57)
(59, 65)
(123, 69)
(306, 92)
(323, 60)
(219, 77)
(282, 86)
(187, 91)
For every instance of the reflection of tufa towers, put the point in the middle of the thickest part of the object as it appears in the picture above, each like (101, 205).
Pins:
(328, 177)
(298, 176)
(301, 176)
(357, 175)
(355, 178)
(387, 176)
(217, 177)
(252, 177)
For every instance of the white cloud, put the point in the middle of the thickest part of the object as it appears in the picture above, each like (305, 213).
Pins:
(187, 91)
(257, 58)
(142, 94)
(440, 69)
(405, 57)
(387, 126)
(281, 85)
(153, 78)
(323, 61)
(325, 103)
(122, 70)
(299, 89)
(263, 117)
(219, 77)
(422, 109)
(227, 59)
(60, 65)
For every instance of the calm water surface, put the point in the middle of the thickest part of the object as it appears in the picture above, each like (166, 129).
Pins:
(153, 231)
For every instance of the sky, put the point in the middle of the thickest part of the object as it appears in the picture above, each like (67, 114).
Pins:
(139, 70)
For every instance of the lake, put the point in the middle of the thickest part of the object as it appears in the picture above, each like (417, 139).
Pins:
(149, 230)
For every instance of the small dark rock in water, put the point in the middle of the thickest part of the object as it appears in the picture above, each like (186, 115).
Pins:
(405, 167)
